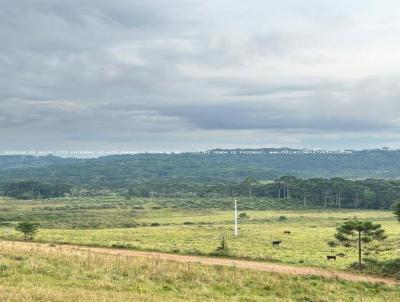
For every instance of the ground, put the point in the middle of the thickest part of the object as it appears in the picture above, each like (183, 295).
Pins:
(52, 273)
(196, 231)
(179, 227)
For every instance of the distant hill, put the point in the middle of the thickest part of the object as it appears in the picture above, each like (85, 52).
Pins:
(29, 161)
(214, 166)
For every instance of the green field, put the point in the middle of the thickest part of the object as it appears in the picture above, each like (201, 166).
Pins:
(44, 273)
(172, 226)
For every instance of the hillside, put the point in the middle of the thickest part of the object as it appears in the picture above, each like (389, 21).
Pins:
(29, 161)
(216, 166)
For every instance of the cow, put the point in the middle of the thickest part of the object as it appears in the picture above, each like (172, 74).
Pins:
(286, 232)
(331, 257)
(276, 242)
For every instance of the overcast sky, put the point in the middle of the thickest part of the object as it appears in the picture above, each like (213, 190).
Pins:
(199, 74)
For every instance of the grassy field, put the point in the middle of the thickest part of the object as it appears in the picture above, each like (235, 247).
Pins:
(163, 225)
(45, 273)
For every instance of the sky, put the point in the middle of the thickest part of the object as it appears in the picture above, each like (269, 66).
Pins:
(188, 75)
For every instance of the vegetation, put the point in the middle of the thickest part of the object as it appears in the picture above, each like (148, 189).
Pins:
(389, 267)
(213, 167)
(35, 190)
(186, 226)
(29, 229)
(222, 249)
(117, 222)
(39, 273)
(360, 234)
(397, 211)
(309, 193)
(244, 216)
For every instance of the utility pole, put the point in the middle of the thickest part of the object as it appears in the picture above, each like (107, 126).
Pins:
(236, 222)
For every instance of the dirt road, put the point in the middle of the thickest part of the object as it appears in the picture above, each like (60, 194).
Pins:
(253, 265)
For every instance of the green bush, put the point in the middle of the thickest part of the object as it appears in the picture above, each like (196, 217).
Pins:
(222, 249)
(391, 267)
(244, 216)
(28, 229)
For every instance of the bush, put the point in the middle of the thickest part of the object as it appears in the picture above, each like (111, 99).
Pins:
(155, 224)
(222, 249)
(332, 243)
(391, 267)
(244, 216)
(129, 225)
(282, 218)
(122, 246)
(28, 229)
(188, 223)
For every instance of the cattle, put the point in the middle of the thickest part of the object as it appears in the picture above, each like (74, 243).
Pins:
(276, 242)
(286, 232)
(331, 257)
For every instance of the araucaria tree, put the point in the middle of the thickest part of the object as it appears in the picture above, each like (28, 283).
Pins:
(29, 229)
(359, 234)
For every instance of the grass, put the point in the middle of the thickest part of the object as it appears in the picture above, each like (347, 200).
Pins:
(194, 231)
(114, 211)
(40, 273)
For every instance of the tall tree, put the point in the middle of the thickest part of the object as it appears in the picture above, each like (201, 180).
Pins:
(359, 234)
(248, 183)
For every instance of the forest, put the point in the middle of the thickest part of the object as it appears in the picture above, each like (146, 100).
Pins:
(209, 167)
(314, 192)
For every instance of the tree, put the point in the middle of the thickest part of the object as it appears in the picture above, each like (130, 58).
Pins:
(248, 182)
(397, 211)
(359, 234)
(29, 229)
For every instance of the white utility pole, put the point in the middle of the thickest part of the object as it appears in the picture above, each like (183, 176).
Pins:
(236, 222)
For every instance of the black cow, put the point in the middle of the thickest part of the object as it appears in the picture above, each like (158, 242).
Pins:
(276, 242)
(286, 232)
(331, 257)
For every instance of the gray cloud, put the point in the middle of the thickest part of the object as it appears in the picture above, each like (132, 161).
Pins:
(148, 74)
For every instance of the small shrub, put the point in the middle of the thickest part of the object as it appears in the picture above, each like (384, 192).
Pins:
(244, 216)
(3, 270)
(282, 218)
(392, 267)
(28, 229)
(222, 249)
(129, 225)
(122, 246)
(332, 243)
(188, 223)
(155, 224)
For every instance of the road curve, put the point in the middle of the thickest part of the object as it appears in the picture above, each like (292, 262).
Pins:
(244, 264)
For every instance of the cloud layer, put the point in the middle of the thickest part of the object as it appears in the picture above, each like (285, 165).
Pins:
(191, 74)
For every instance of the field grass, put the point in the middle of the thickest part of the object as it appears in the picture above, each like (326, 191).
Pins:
(44, 273)
(162, 225)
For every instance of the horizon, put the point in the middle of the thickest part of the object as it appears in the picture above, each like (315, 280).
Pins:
(88, 154)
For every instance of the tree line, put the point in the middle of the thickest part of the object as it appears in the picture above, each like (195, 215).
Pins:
(34, 190)
(314, 192)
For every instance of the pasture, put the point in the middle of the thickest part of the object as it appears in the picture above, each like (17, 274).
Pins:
(175, 227)
(44, 273)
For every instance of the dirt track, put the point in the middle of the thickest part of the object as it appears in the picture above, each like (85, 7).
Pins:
(253, 265)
